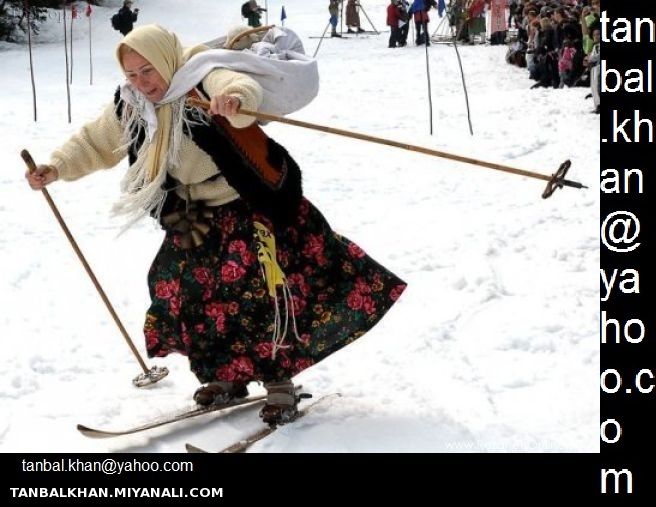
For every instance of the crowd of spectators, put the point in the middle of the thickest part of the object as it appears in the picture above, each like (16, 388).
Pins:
(558, 42)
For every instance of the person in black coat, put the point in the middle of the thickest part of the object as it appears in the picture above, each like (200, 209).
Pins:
(127, 17)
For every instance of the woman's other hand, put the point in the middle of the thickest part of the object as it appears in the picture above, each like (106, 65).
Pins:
(44, 175)
(225, 105)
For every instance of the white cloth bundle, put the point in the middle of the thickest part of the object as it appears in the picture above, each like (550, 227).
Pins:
(289, 78)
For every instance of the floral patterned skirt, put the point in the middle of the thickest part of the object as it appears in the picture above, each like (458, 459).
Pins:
(211, 302)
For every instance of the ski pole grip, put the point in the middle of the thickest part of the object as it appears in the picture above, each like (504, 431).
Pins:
(29, 161)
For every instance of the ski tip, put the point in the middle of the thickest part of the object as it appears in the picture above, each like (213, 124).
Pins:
(91, 433)
(192, 449)
(85, 430)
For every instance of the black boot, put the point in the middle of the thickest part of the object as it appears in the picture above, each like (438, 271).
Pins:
(282, 403)
(218, 393)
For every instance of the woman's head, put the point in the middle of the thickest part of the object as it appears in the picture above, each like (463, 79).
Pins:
(149, 56)
(142, 75)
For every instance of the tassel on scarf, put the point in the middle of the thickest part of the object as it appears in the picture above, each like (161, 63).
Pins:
(274, 278)
(142, 185)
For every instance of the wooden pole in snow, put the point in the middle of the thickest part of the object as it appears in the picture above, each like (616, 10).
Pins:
(68, 88)
(90, 53)
(29, 42)
(72, 17)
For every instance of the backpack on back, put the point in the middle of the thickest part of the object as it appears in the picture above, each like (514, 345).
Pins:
(403, 13)
(116, 22)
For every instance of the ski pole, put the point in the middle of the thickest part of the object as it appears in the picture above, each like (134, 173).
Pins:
(555, 181)
(321, 40)
(149, 376)
(365, 15)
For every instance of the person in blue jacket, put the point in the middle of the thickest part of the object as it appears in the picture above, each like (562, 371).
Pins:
(419, 10)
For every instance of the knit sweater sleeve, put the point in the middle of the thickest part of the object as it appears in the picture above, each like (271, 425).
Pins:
(227, 82)
(98, 145)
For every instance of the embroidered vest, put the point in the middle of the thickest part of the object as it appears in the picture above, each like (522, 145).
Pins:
(258, 168)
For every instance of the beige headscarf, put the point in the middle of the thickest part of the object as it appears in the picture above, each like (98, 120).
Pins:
(164, 51)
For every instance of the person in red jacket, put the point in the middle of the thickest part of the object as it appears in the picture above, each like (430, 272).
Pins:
(393, 21)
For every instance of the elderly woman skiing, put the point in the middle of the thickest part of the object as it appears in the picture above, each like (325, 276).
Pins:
(250, 283)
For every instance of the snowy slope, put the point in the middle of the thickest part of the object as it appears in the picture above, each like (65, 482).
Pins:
(493, 347)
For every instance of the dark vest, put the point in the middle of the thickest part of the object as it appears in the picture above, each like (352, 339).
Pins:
(242, 170)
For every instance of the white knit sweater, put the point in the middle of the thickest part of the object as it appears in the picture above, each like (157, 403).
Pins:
(100, 143)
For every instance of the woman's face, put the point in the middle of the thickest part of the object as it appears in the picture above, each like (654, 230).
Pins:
(143, 76)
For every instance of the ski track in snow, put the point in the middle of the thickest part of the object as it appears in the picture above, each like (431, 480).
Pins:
(493, 347)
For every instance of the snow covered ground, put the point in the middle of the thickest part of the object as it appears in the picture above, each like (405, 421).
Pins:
(493, 347)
